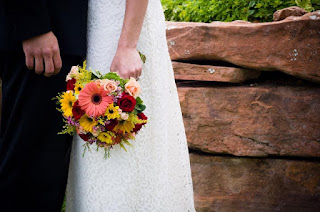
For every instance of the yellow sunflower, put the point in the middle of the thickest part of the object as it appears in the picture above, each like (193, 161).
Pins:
(78, 88)
(112, 112)
(66, 103)
(87, 123)
(106, 137)
(125, 126)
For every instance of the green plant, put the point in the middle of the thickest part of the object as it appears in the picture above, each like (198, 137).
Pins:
(229, 10)
(306, 4)
(63, 208)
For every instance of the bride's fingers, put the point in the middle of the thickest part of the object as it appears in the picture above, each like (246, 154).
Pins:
(138, 72)
(119, 73)
(135, 75)
(126, 73)
(122, 74)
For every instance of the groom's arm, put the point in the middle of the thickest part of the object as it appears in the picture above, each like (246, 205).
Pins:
(28, 17)
(32, 27)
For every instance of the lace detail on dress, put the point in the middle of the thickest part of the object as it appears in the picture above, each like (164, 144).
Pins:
(155, 174)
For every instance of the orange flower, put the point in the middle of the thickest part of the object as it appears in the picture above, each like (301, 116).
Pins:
(132, 87)
(94, 99)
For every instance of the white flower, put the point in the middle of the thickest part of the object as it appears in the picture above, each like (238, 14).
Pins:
(124, 116)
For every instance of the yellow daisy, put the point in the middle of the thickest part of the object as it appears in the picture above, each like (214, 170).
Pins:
(106, 137)
(87, 123)
(78, 88)
(66, 103)
(125, 126)
(112, 112)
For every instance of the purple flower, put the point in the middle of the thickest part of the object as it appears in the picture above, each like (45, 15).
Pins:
(71, 121)
(92, 140)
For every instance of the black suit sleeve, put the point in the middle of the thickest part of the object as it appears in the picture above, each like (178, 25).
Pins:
(28, 18)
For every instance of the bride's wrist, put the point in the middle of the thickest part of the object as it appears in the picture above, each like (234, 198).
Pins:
(125, 48)
(126, 45)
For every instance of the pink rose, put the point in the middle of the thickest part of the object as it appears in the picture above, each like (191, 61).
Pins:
(98, 82)
(109, 85)
(74, 72)
(132, 87)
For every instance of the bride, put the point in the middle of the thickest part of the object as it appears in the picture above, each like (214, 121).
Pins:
(154, 175)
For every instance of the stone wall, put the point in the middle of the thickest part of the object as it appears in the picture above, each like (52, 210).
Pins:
(250, 98)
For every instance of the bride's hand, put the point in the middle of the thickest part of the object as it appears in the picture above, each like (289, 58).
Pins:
(127, 63)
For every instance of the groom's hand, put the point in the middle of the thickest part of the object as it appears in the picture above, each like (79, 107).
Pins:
(43, 54)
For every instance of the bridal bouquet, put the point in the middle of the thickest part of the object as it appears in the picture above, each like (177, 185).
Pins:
(102, 109)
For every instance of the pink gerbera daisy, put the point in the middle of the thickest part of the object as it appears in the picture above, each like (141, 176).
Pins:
(94, 99)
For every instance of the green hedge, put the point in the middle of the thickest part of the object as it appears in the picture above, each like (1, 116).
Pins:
(229, 10)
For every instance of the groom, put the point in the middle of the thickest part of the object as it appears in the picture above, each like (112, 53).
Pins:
(39, 42)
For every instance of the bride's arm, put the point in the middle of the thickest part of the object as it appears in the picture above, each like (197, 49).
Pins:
(127, 62)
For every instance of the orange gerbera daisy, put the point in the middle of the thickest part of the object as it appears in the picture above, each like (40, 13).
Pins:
(94, 99)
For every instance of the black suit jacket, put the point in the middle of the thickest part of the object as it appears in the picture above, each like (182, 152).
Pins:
(23, 19)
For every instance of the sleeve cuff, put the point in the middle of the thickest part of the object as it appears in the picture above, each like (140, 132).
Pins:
(28, 18)
(31, 26)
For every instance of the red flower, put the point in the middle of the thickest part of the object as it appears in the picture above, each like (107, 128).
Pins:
(77, 111)
(112, 124)
(118, 139)
(127, 102)
(85, 137)
(70, 84)
(137, 127)
(142, 116)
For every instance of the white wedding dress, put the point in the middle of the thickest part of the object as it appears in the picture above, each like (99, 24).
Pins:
(155, 174)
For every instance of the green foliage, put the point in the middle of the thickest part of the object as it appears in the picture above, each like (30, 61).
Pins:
(229, 10)
(143, 57)
(96, 75)
(306, 4)
(67, 129)
(316, 4)
(112, 75)
(116, 77)
(63, 209)
(140, 107)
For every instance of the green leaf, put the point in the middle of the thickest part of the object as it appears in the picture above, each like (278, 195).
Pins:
(127, 142)
(305, 4)
(68, 129)
(122, 146)
(250, 12)
(252, 3)
(106, 153)
(140, 108)
(143, 57)
(96, 75)
(112, 75)
(139, 100)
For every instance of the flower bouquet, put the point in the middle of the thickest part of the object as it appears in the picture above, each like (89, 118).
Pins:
(102, 109)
